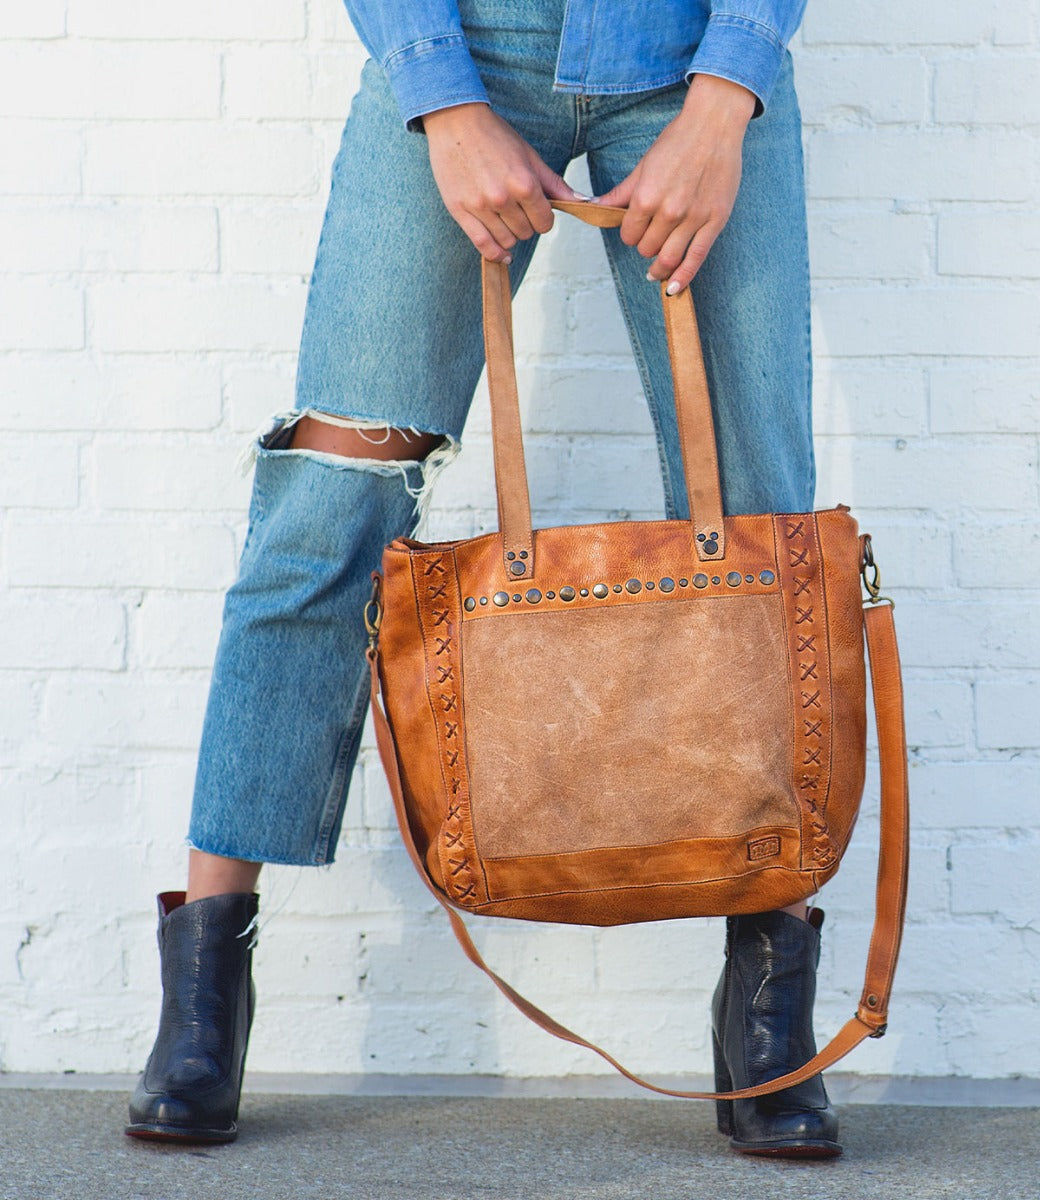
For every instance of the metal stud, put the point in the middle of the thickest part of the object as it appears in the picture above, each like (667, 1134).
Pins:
(700, 581)
(517, 568)
(550, 595)
(749, 579)
(716, 580)
(617, 587)
(684, 583)
(650, 585)
(711, 546)
(584, 592)
(523, 553)
(633, 586)
(510, 556)
(501, 599)
(469, 604)
(483, 600)
(700, 537)
(767, 577)
(600, 590)
(567, 593)
(517, 597)
(734, 579)
(668, 585)
(533, 596)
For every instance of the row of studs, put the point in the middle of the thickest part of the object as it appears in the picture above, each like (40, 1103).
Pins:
(632, 586)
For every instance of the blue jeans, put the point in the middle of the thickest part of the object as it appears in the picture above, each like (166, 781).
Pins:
(392, 337)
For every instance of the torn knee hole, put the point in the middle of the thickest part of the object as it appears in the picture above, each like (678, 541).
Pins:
(349, 438)
(354, 444)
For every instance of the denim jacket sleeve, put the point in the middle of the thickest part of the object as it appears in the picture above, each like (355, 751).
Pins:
(745, 41)
(423, 51)
(421, 46)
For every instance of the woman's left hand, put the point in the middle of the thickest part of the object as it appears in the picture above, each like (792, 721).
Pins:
(682, 191)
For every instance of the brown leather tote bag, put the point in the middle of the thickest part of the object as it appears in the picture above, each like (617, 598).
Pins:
(636, 721)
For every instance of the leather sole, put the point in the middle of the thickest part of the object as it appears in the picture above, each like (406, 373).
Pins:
(177, 1133)
(807, 1149)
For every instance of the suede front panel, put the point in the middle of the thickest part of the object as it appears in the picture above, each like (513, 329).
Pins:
(564, 719)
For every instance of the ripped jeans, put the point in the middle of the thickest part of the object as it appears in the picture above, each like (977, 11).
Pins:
(392, 338)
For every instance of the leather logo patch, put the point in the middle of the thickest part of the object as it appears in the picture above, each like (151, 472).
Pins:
(767, 847)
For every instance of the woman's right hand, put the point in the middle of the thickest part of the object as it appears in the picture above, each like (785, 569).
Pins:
(492, 182)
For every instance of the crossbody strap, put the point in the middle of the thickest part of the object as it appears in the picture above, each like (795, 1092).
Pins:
(872, 1013)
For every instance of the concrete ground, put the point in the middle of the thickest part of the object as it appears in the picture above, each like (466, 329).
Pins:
(62, 1142)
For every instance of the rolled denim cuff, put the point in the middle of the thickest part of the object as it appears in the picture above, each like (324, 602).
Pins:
(434, 73)
(740, 50)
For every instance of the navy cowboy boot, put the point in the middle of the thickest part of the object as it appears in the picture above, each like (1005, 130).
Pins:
(191, 1084)
(762, 1020)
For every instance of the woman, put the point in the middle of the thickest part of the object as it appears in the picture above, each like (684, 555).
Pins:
(467, 116)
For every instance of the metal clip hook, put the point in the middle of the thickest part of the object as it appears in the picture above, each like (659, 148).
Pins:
(872, 582)
(373, 613)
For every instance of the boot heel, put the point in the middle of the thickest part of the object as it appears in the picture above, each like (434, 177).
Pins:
(723, 1083)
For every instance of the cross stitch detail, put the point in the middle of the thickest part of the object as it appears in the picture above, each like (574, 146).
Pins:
(440, 614)
(800, 571)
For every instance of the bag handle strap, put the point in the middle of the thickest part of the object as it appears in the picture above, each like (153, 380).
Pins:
(692, 404)
(872, 1014)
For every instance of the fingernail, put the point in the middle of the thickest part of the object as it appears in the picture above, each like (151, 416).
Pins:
(508, 259)
(579, 196)
(650, 278)
(673, 288)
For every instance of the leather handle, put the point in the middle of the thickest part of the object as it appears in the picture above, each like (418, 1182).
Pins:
(692, 403)
(872, 1014)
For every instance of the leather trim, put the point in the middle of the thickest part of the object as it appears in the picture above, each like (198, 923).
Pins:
(434, 578)
(805, 610)
(669, 863)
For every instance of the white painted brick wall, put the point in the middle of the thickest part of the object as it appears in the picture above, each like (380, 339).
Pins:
(162, 178)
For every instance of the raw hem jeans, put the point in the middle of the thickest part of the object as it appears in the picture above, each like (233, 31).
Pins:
(392, 337)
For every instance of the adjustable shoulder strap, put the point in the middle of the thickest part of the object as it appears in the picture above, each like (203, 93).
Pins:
(871, 1016)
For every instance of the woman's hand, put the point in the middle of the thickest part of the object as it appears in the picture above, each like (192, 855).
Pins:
(492, 182)
(682, 191)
